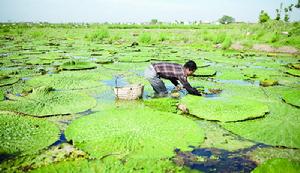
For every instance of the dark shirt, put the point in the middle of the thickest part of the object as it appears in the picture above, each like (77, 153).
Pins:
(174, 72)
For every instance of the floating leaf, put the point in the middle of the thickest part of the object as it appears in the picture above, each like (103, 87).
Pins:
(292, 97)
(279, 128)
(8, 80)
(138, 133)
(45, 101)
(21, 134)
(278, 165)
(224, 109)
(162, 104)
(77, 65)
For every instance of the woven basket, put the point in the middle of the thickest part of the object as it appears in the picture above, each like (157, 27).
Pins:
(130, 92)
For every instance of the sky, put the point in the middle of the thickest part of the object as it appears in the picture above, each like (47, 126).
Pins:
(136, 11)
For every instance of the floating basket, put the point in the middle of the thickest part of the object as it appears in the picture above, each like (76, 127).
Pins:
(130, 92)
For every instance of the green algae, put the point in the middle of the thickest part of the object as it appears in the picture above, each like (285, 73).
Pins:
(279, 128)
(45, 101)
(22, 135)
(78, 65)
(261, 155)
(134, 133)
(54, 154)
(112, 165)
(8, 80)
(224, 109)
(278, 165)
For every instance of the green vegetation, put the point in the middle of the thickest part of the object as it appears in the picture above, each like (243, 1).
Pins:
(134, 133)
(278, 165)
(45, 101)
(77, 65)
(226, 109)
(23, 135)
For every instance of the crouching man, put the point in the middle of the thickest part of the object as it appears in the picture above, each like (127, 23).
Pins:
(173, 72)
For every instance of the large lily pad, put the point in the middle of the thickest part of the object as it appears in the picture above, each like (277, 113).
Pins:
(45, 101)
(224, 109)
(279, 128)
(8, 80)
(292, 97)
(134, 133)
(293, 72)
(21, 135)
(278, 165)
(162, 104)
(77, 65)
(71, 80)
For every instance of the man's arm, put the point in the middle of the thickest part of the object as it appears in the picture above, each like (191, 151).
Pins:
(174, 81)
(188, 87)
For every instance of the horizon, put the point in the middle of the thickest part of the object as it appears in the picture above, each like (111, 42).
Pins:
(130, 11)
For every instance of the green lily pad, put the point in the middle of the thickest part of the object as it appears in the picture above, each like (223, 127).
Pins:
(135, 133)
(37, 61)
(292, 97)
(111, 165)
(162, 104)
(8, 80)
(78, 65)
(2, 95)
(68, 80)
(279, 128)
(44, 101)
(205, 72)
(224, 109)
(293, 72)
(22, 135)
(278, 165)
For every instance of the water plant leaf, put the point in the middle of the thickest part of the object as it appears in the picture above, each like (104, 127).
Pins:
(135, 133)
(278, 165)
(279, 128)
(45, 101)
(162, 104)
(8, 80)
(77, 65)
(111, 165)
(71, 80)
(292, 97)
(224, 109)
(22, 135)
(293, 72)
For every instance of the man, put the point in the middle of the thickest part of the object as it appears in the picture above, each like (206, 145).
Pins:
(173, 72)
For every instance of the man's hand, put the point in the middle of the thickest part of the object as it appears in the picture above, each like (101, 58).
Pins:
(178, 88)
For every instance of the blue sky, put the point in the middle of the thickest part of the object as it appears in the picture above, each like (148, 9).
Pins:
(58, 11)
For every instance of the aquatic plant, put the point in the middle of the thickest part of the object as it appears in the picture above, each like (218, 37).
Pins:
(112, 165)
(8, 80)
(278, 165)
(224, 109)
(292, 97)
(77, 65)
(45, 101)
(22, 135)
(134, 133)
(69, 80)
(293, 72)
(162, 104)
(279, 128)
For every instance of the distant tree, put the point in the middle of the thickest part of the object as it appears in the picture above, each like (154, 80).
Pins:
(298, 4)
(278, 12)
(226, 19)
(153, 21)
(287, 11)
(263, 17)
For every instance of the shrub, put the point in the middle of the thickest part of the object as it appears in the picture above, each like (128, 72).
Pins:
(219, 38)
(226, 43)
(145, 38)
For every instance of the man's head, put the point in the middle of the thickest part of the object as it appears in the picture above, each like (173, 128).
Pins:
(189, 67)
